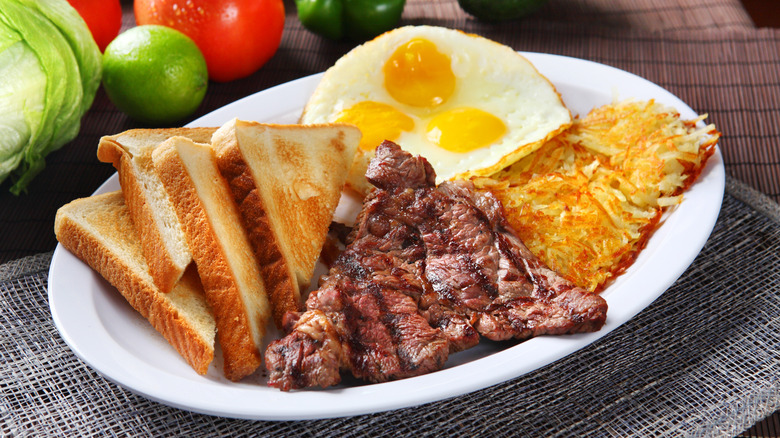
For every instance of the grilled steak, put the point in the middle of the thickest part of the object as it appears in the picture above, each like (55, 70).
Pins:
(426, 271)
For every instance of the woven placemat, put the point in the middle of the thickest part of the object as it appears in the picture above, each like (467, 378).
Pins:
(707, 52)
(700, 361)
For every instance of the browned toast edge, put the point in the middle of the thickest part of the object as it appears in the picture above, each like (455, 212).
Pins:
(281, 290)
(143, 296)
(241, 356)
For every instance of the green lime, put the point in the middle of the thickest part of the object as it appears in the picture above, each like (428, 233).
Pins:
(155, 74)
(498, 10)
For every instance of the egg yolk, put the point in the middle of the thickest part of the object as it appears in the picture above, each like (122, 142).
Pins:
(377, 121)
(418, 74)
(464, 129)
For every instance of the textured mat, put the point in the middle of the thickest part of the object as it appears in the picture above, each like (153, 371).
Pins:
(707, 52)
(700, 361)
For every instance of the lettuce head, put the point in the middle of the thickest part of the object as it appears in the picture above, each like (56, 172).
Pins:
(50, 69)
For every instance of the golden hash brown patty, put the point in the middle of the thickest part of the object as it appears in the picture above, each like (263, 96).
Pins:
(588, 200)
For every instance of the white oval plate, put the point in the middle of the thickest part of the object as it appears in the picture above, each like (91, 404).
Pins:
(106, 333)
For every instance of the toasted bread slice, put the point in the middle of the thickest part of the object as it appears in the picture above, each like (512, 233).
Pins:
(99, 231)
(162, 239)
(287, 181)
(220, 248)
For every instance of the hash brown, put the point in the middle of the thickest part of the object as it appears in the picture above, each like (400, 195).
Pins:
(588, 200)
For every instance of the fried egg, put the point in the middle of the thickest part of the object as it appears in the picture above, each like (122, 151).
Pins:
(469, 105)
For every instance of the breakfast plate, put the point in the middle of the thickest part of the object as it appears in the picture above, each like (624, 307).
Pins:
(106, 333)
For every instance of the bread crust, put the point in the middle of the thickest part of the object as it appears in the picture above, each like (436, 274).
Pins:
(282, 292)
(287, 181)
(163, 268)
(239, 347)
(102, 253)
(130, 153)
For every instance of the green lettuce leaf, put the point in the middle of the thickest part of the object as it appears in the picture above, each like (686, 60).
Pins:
(65, 80)
(76, 32)
(22, 97)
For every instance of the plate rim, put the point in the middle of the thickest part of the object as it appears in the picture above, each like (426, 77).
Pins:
(367, 400)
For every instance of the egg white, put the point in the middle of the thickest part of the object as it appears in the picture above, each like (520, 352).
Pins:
(489, 76)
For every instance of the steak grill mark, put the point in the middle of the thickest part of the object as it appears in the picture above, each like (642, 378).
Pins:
(426, 271)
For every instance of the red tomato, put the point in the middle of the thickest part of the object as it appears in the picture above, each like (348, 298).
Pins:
(236, 36)
(103, 18)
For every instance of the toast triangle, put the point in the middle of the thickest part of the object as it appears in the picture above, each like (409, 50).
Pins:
(162, 239)
(220, 248)
(99, 231)
(287, 181)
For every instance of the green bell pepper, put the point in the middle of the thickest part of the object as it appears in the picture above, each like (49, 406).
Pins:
(499, 10)
(354, 19)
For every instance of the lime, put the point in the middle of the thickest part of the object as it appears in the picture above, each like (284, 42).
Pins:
(155, 74)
